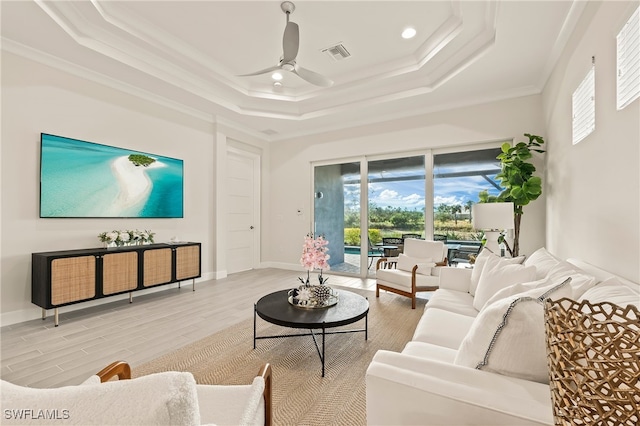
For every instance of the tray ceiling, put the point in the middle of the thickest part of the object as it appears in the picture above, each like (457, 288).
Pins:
(188, 55)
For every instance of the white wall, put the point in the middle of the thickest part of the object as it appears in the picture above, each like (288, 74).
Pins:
(36, 98)
(593, 203)
(290, 169)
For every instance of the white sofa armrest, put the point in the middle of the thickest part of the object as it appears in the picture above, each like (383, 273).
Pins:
(458, 279)
(404, 389)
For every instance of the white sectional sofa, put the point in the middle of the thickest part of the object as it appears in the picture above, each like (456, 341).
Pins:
(478, 354)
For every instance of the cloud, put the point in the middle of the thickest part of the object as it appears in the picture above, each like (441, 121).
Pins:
(388, 194)
(413, 199)
(449, 200)
(389, 197)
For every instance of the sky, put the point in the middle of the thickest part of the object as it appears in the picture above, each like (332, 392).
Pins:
(449, 191)
(411, 194)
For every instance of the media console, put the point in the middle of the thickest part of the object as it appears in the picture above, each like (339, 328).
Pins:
(60, 278)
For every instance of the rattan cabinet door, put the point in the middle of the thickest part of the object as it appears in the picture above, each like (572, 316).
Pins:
(157, 267)
(119, 272)
(73, 279)
(187, 262)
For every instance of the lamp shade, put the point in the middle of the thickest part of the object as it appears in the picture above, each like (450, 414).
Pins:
(489, 216)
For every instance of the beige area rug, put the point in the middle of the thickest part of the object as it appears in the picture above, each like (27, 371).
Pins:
(300, 395)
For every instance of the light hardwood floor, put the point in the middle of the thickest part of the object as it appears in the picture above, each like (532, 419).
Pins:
(37, 354)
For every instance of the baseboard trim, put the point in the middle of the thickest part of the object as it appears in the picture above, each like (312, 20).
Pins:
(34, 312)
(282, 265)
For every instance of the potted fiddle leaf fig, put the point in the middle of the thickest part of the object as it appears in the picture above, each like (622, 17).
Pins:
(520, 185)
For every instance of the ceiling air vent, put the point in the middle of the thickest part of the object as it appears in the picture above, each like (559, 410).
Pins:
(337, 52)
(269, 132)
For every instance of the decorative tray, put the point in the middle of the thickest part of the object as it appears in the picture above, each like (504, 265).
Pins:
(313, 297)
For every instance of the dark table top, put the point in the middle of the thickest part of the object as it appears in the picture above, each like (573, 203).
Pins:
(276, 309)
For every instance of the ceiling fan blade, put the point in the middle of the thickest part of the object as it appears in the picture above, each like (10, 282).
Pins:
(312, 77)
(290, 42)
(264, 71)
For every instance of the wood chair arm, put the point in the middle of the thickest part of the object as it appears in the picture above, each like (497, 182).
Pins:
(265, 373)
(445, 262)
(389, 263)
(117, 368)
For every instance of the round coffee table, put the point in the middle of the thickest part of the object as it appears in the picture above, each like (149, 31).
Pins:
(276, 309)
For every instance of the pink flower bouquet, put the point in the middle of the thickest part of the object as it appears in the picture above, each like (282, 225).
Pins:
(314, 256)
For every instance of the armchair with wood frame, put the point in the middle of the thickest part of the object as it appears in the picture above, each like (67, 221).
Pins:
(170, 397)
(415, 270)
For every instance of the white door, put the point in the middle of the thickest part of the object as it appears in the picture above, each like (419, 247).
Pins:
(243, 201)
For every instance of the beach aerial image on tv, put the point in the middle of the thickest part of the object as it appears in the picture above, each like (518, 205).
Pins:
(85, 179)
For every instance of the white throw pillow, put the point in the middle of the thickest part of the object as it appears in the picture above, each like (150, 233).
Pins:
(478, 266)
(508, 336)
(613, 291)
(517, 289)
(497, 274)
(543, 261)
(162, 398)
(580, 280)
(406, 263)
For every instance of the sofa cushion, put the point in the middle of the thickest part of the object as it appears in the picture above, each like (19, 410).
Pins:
(162, 398)
(543, 261)
(613, 291)
(497, 274)
(508, 337)
(517, 289)
(406, 263)
(481, 261)
(453, 301)
(430, 351)
(232, 404)
(401, 280)
(424, 249)
(580, 280)
(442, 328)
(478, 266)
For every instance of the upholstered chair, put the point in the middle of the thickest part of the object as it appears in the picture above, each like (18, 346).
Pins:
(415, 270)
(169, 397)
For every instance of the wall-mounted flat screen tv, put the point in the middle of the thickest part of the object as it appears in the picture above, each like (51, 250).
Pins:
(85, 179)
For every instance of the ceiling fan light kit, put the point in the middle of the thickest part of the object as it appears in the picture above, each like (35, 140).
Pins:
(290, 45)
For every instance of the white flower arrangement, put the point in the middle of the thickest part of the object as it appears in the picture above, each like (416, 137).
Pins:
(121, 238)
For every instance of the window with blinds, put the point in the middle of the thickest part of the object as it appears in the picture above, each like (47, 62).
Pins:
(584, 107)
(628, 54)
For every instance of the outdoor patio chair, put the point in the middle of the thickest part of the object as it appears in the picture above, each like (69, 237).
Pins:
(461, 255)
(390, 242)
(415, 270)
(374, 252)
(417, 236)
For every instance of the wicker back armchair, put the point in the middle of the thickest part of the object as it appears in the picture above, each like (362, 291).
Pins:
(594, 362)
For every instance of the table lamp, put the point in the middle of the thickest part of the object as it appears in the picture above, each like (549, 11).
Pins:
(492, 218)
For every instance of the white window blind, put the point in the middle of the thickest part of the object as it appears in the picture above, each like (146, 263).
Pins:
(628, 53)
(584, 107)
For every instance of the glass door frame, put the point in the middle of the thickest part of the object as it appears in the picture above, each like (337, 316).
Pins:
(364, 195)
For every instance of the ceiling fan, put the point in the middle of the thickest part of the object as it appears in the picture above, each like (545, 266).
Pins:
(290, 44)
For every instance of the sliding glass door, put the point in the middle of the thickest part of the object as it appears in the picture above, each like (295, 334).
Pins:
(458, 178)
(394, 205)
(411, 196)
(396, 190)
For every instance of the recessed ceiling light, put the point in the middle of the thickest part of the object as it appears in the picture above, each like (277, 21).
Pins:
(276, 76)
(408, 33)
(277, 83)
